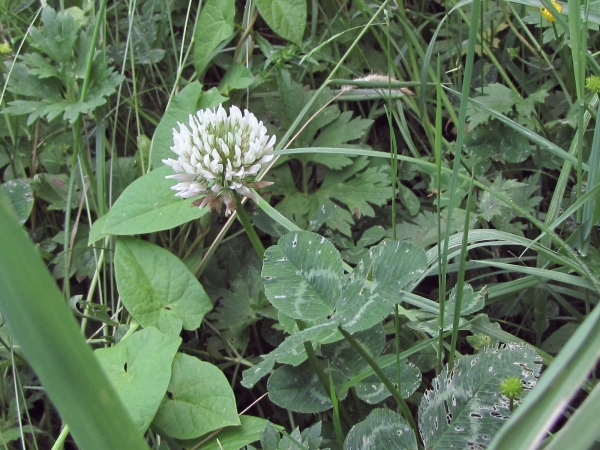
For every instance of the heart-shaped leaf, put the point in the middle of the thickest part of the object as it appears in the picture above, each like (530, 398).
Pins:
(157, 288)
(199, 400)
(140, 369)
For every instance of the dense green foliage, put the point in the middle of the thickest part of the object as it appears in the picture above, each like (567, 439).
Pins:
(417, 268)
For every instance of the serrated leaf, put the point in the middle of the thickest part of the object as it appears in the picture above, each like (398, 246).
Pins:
(526, 107)
(489, 206)
(342, 130)
(497, 97)
(302, 275)
(179, 110)
(154, 282)
(465, 408)
(140, 369)
(215, 24)
(23, 83)
(358, 192)
(57, 36)
(148, 205)
(382, 429)
(200, 400)
(287, 18)
(355, 252)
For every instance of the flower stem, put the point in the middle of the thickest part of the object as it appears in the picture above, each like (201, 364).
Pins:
(244, 219)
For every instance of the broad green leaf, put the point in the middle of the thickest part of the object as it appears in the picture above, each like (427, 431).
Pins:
(471, 302)
(199, 400)
(254, 374)
(210, 99)
(299, 389)
(51, 340)
(341, 131)
(149, 205)
(287, 18)
(489, 206)
(382, 429)
(485, 143)
(409, 200)
(373, 391)
(496, 96)
(302, 275)
(96, 232)
(140, 369)
(375, 285)
(237, 76)
(421, 230)
(20, 195)
(179, 110)
(233, 437)
(83, 263)
(154, 284)
(344, 359)
(215, 24)
(465, 406)
(270, 438)
(557, 340)
(54, 190)
(353, 253)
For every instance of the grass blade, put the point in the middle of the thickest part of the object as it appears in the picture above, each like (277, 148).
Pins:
(49, 336)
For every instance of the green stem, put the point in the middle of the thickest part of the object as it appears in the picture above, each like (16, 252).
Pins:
(321, 375)
(244, 219)
(62, 437)
(382, 376)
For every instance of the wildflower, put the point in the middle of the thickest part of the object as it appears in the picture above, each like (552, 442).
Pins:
(548, 15)
(593, 83)
(218, 155)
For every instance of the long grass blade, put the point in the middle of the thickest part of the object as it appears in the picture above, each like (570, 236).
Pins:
(49, 336)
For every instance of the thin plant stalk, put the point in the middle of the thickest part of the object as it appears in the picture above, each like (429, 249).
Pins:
(466, 87)
(382, 376)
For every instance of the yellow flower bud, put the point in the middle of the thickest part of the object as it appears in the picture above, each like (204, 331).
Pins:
(546, 14)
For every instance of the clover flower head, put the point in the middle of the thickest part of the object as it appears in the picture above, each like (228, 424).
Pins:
(220, 154)
(546, 14)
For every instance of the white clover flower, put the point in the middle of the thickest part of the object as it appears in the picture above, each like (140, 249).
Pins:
(218, 154)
